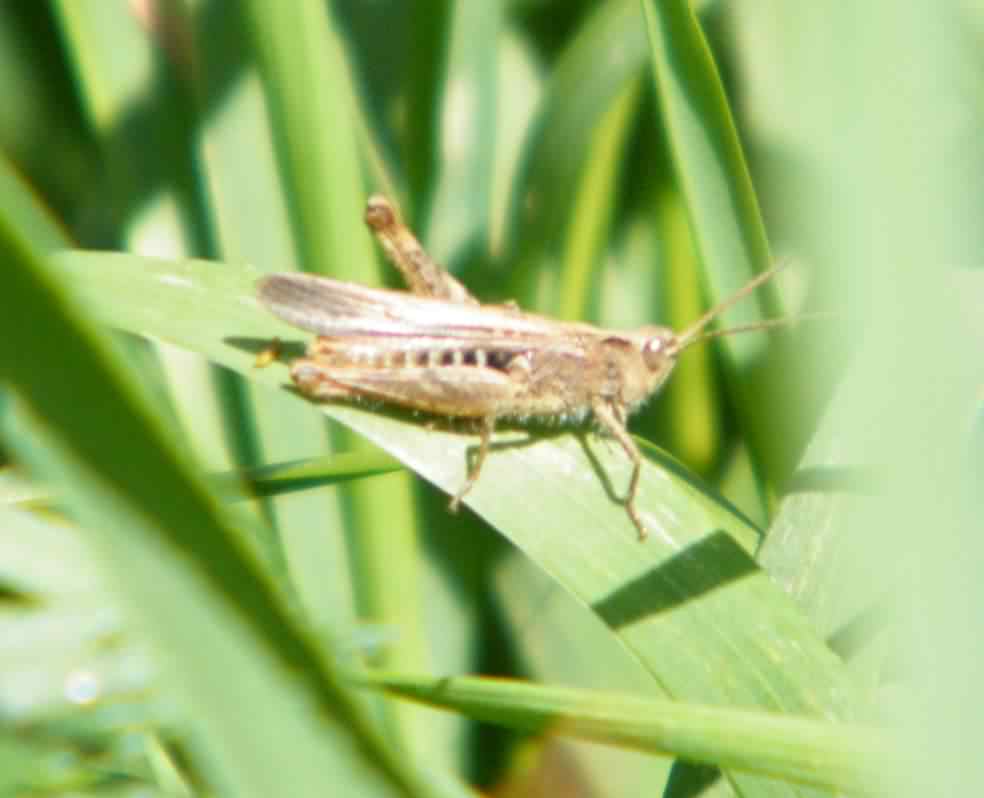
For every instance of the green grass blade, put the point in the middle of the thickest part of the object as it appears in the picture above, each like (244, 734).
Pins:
(460, 208)
(723, 211)
(591, 217)
(275, 479)
(803, 751)
(177, 558)
(309, 101)
(27, 212)
(279, 478)
(312, 110)
(249, 215)
(607, 53)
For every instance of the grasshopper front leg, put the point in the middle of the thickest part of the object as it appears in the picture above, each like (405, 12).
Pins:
(612, 421)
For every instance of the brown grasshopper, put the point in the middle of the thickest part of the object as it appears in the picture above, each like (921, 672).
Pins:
(438, 350)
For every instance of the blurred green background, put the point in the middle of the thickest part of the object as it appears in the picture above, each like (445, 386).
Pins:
(211, 586)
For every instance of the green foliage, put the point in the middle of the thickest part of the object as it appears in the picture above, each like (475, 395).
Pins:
(209, 585)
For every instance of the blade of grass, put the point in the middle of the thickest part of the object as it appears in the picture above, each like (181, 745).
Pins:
(275, 479)
(607, 52)
(27, 212)
(175, 556)
(460, 208)
(135, 79)
(724, 217)
(248, 210)
(309, 92)
(830, 756)
(589, 228)
(280, 478)
(564, 643)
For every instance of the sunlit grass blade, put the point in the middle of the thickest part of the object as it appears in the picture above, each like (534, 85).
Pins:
(724, 216)
(830, 756)
(310, 96)
(279, 478)
(608, 51)
(177, 559)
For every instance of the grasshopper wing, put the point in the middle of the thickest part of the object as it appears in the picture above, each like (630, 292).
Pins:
(333, 308)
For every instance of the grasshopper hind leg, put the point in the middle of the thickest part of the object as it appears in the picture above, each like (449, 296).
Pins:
(488, 427)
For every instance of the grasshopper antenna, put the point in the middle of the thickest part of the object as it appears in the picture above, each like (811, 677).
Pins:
(782, 321)
(695, 332)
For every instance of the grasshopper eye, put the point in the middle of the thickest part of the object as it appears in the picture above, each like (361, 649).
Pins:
(655, 351)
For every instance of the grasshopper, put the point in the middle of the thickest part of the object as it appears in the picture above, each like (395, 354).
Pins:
(438, 350)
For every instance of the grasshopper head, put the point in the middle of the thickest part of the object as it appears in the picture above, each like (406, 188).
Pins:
(643, 359)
